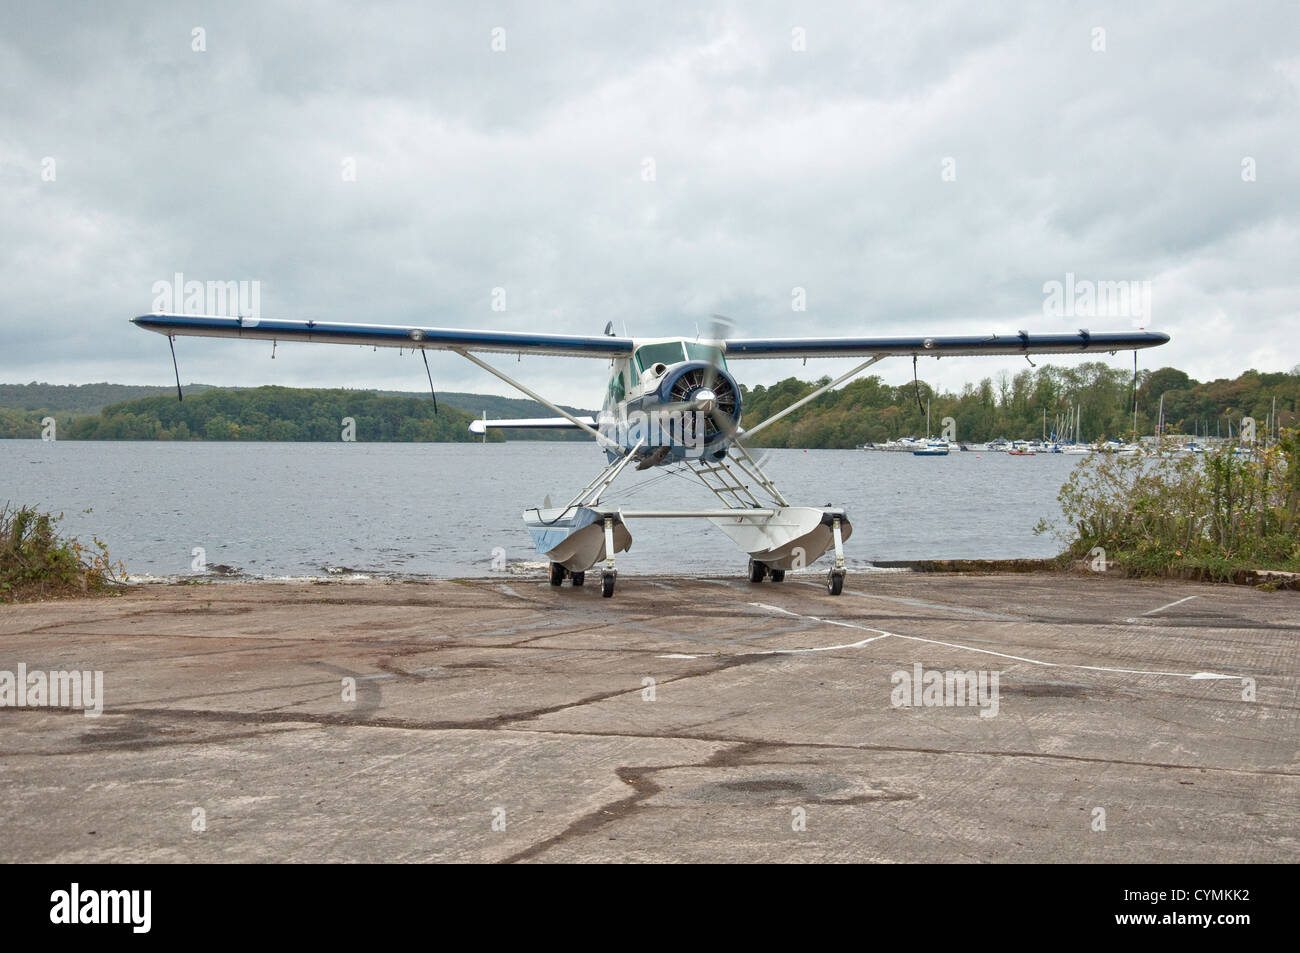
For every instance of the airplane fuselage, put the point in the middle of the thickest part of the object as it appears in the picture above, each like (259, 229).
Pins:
(672, 399)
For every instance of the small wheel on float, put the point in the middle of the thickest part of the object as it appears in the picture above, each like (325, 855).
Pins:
(835, 582)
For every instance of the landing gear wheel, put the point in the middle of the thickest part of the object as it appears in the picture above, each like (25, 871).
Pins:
(757, 571)
(578, 578)
(557, 574)
(778, 575)
(607, 583)
(835, 582)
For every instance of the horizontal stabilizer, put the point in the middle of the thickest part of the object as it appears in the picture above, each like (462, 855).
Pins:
(533, 423)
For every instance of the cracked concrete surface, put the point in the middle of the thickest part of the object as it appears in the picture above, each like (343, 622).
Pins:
(479, 702)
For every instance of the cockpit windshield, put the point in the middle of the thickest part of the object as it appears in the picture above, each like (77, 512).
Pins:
(705, 352)
(671, 352)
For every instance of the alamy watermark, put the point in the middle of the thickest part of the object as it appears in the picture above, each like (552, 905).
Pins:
(1085, 298)
(76, 905)
(242, 299)
(54, 689)
(934, 689)
(660, 428)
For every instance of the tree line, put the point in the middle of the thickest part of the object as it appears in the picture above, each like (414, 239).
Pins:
(862, 411)
(1014, 406)
(259, 413)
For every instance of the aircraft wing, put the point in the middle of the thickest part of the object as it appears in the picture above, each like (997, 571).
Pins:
(532, 423)
(604, 346)
(1076, 342)
(387, 335)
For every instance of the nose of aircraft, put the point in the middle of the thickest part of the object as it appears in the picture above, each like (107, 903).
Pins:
(705, 400)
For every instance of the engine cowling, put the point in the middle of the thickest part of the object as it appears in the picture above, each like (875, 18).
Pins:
(692, 381)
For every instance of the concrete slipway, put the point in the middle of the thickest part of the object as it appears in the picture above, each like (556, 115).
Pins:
(502, 719)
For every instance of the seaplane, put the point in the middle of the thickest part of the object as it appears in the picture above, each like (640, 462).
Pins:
(668, 402)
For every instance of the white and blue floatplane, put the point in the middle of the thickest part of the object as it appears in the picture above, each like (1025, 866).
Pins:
(669, 402)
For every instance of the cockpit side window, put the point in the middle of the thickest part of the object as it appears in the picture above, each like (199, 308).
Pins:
(669, 352)
(617, 389)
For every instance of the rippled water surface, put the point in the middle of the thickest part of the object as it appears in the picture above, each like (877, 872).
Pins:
(290, 509)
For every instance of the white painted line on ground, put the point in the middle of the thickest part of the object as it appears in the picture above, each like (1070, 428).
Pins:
(921, 604)
(955, 645)
(821, 648)
(1170, 606)
(1089, 668)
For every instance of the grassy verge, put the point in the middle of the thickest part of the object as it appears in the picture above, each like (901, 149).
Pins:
(37, 563)
(1213, 516)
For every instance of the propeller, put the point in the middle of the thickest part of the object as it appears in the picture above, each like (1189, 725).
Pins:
(705, 400)
(721, 329)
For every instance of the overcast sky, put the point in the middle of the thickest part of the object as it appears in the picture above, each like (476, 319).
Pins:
(915, 168)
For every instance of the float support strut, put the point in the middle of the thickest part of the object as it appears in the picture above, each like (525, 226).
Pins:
(609, 544)
(839, 543)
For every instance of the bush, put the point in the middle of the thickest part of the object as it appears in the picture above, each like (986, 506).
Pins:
(1216, 513)
(35, 562)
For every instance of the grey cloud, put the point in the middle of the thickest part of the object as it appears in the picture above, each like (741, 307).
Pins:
(522, 169)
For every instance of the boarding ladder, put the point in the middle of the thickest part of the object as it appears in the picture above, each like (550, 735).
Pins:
(726, 478)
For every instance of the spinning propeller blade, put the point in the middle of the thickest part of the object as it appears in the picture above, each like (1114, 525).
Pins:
(721, 330)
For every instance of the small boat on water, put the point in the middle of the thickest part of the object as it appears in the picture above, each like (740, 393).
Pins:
(940, 450)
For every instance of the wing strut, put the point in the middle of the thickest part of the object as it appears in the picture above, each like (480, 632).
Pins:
(424, 354)
(171, 342)
(605, 441)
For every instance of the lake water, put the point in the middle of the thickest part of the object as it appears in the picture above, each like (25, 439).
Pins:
(311, 509)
